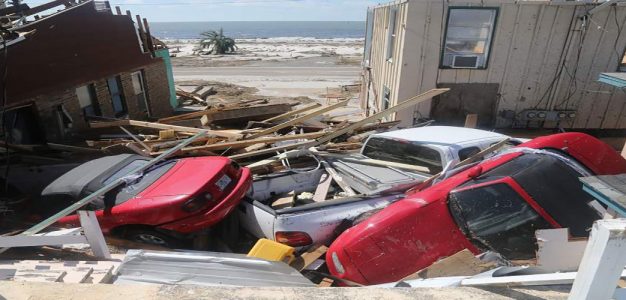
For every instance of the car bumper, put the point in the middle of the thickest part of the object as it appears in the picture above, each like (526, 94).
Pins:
(216, 213)
(350, 272)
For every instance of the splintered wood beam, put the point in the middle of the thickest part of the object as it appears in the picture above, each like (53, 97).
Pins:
(246, 143)
(191, 115)
(403, 105)
(268, 151)
(298, 119)
(221, 133)
(292, 113)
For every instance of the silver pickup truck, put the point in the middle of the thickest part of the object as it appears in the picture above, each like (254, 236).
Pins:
(377, 186)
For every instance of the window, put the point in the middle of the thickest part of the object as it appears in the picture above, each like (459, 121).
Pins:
(140, 92)
(497, 218)
(622, 63)
(468, 37)
(117, 97)
(403, 152)
(466, 153)
(391, 33)
(369, 30)
(88, 102)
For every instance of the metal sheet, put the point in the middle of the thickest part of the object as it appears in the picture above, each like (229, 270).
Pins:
(207, 269)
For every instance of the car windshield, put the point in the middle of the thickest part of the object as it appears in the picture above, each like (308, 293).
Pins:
(497, 218)
(136, 185)
(403, 152)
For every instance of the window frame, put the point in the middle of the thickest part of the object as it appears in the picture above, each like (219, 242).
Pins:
(94, 104)
(142, 83)
(120, 93)
(491, 38)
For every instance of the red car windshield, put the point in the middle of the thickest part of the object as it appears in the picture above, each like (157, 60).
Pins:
(496, 217)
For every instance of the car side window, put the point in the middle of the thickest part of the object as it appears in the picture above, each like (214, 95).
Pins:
(497, 218)
(466, 153)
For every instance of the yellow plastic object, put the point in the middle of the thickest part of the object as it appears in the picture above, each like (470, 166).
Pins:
(273, 251)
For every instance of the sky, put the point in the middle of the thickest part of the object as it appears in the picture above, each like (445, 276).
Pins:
(244, 10)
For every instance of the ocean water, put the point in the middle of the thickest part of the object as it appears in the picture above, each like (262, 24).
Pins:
(254, 29)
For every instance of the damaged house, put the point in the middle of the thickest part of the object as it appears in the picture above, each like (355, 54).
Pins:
(76, 64)
(516, 64)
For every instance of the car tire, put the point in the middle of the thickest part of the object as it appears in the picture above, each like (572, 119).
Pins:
(151, 237)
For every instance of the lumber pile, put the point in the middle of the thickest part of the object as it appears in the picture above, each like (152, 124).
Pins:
(247, 130)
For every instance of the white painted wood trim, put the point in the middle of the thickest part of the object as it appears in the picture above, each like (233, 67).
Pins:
(603, 261)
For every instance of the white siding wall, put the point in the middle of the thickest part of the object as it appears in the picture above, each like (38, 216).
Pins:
(529, 46)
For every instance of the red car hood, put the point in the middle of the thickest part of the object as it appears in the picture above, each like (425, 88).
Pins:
(187, 177)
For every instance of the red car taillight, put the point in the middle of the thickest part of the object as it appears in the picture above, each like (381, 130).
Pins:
(197, 203)
(294, 238)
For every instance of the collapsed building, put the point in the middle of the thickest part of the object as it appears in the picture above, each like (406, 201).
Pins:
(78, 64)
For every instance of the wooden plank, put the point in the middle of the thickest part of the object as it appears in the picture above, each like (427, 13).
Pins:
(408, 103)
(608, 189)
(246, 143)
(222, 133)
(337, 178)
(603, 262)
(376, 162)
(135, 138)
(322, 188)
(269, 150)
(93, 233)
(241, 114)
(462, 263)
(308, 257)
(471, 121)
(298, 119)
(292, 113)
(191, 115)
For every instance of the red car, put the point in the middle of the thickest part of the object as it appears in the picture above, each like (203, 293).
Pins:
(495, 205)
(168, 202)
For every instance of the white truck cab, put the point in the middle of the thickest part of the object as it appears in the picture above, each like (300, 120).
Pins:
(431, 147)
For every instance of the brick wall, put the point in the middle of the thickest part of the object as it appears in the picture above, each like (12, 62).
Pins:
(156, 88)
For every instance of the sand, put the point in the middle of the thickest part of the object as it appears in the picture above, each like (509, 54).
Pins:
(276, 67)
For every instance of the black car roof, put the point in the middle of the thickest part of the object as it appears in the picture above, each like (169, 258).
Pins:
(76, 181)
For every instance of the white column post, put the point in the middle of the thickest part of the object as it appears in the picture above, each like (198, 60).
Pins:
(603, 261)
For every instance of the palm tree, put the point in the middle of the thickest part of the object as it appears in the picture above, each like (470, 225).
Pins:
(217, 43)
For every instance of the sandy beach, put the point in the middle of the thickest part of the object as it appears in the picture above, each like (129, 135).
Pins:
(296, 68)
(276, 67)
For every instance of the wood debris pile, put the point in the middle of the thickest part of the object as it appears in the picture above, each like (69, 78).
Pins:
(271, 128)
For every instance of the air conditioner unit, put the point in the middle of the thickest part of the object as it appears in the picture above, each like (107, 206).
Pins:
(465, 61)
